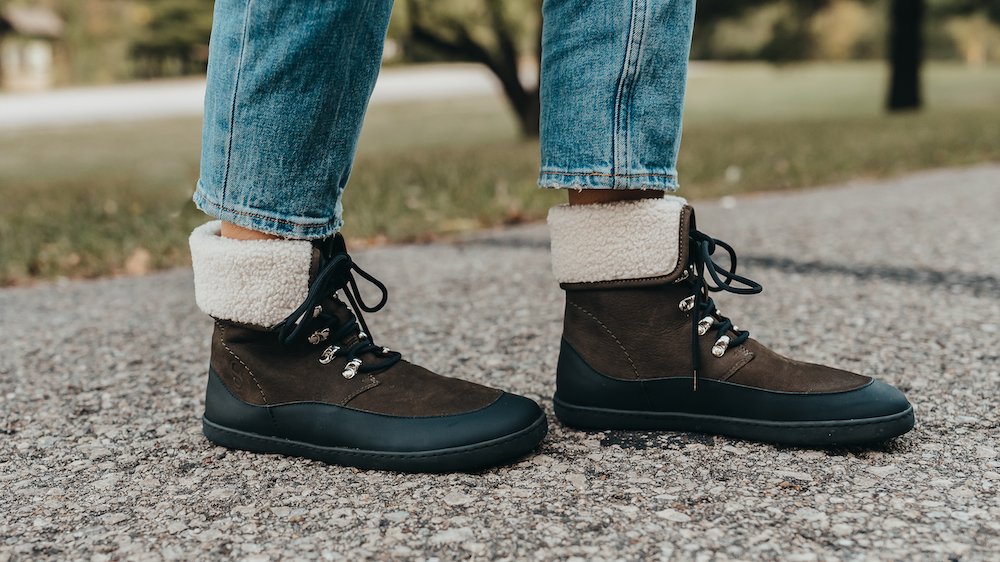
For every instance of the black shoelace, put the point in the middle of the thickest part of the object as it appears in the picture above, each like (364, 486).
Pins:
(702, 247)
(337, 274)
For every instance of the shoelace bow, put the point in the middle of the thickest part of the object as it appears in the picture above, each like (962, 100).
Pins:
(337, 274)
(702, 247)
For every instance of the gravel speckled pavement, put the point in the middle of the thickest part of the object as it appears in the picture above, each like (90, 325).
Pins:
(101, 456)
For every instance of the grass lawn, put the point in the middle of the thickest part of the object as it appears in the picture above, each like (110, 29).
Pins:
(109, 199)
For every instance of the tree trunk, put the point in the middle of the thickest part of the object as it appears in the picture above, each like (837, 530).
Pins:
(528, 114)
(501, 59)
(905, 54)
(524, 101)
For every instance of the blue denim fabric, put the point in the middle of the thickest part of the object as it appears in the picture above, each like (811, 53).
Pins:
(289, 82)
(613, 79)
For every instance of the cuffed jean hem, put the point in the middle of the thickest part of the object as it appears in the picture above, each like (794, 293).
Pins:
(300, 228)
(595, 179)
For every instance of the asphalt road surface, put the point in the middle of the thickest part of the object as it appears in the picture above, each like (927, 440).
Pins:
(101, 389)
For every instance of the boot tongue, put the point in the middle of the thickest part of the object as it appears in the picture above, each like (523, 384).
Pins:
(331, 246)
(338, 308)
(322, 251)
(342, 311)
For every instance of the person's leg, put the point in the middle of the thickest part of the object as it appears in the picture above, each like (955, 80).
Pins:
(293, 368)
(288, 84)
(613, 79)
(644, 346)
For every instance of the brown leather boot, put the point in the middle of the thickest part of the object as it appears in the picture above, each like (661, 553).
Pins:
(294, 370)
(645, 347)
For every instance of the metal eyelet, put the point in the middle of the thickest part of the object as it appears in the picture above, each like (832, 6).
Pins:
(352, 368)
(720, 347)
(328, 354)
(319, 336)
(687, 304)
(704, 324)
(316, 311)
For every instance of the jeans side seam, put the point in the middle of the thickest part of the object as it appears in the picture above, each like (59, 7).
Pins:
(236, 90)
(620, 136)
(615, 164)
(630, 94)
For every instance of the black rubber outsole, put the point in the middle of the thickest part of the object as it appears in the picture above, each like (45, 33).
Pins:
(801, 433)
(465, 458)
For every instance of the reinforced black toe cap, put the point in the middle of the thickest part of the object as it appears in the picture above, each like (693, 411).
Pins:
(508, 415)
(876, 399)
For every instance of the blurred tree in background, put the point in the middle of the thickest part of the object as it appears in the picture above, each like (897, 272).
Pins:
(907, 31)
(906, 54)
(775, 31)
(174, 37)
(827, 29)
(500, 34)
(973, 25)
(114, 40)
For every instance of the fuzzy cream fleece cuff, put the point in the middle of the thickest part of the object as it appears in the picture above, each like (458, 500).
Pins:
(615, 241)
(257, 282)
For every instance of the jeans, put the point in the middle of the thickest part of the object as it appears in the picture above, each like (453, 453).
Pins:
(289, 82)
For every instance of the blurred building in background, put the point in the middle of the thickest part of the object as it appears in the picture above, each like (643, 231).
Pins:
(28, 35)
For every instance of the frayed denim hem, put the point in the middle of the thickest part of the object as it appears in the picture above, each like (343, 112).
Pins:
(298, 228)
(565, 179)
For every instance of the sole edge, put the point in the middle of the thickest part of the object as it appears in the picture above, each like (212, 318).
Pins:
(801, 433)
(465, 458)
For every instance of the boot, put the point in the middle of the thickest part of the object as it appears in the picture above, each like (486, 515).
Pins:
(294, 370)
(645, 347)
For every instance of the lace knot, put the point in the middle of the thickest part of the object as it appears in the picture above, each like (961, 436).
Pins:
(336, 273)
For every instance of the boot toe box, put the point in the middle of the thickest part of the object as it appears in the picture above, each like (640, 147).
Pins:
(876, 399)
(510, 414)
(510, 424)
(506, 417)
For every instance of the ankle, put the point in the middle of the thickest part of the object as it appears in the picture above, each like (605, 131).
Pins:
(595, 196)
(236, 232)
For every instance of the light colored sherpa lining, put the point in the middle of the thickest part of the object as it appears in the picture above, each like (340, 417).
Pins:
(614, 241)
(256, 282)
